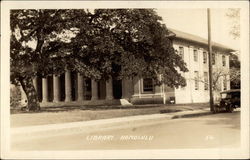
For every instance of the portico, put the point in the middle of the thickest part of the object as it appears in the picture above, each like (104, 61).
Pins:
(73, 87)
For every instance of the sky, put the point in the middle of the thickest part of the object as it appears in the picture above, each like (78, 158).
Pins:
(194, 21)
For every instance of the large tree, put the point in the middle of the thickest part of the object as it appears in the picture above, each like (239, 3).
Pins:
(134, 39)
(36, 37)
(94, 44)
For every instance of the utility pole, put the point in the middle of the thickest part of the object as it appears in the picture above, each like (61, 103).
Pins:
(210, 62)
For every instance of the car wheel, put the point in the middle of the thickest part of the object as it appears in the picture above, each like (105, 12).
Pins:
(230, 108)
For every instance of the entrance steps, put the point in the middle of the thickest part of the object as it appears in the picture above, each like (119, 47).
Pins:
(125, 102)
(122, 102)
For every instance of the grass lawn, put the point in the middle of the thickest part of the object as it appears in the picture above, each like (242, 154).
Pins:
(51, 115)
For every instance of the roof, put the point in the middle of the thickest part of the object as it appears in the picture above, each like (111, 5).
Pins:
(196, 39)
(232, 90)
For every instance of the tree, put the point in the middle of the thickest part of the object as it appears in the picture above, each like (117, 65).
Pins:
(218, 74)
(234, 16)
(234, 65)
(93, 43)
(134, 39)
(36, 36)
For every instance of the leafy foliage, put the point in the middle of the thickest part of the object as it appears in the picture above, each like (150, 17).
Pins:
(233, 75)
(234, 64)
(34, 35)
(134, 39)
(106, 42)
(234, 15)
(36, 39)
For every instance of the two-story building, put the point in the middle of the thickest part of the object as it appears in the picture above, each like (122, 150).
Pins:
(72, 88)
(194, 51)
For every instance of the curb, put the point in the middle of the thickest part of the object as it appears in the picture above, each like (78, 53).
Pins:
(29, 132)
(84, 127)
(192, 114)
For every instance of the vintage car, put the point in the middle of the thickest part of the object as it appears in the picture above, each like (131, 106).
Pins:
(229, 100)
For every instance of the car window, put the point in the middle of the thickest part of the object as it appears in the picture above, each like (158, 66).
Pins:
(236, 94)
(225, 95)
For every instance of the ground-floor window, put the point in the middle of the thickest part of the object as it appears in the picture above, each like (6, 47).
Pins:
(224, 83)
(181, 52)
(147, 85)
(205, 81)
(196, 80)
(204, 57)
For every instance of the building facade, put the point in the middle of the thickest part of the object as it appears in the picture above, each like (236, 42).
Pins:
(71, 87)
(194, 51)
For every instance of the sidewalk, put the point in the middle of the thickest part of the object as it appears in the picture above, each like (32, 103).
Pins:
(100, 124)
(61, 115)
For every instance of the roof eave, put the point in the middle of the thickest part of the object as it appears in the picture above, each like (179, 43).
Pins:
(206, 44)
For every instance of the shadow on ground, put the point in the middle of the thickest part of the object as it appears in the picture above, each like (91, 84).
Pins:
(166, 108)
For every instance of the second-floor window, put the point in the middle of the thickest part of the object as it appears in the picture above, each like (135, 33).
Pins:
(181, 52)
(213, 58)
(196, 80)
(147, 85)
(195, 55)
(223, 60)
(205, 81)
(204, 57)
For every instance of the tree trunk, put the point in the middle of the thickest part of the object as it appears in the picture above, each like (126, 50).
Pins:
(28, 87)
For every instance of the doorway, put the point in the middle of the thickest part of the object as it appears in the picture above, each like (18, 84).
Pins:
(117, 89)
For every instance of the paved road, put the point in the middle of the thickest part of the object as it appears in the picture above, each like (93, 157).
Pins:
(217, 130)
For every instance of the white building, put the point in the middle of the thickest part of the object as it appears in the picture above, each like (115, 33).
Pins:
(72, 88)
(194, 51)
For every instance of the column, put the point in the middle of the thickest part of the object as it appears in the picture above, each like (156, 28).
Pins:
(94, 90)
(136, 83)
(35, 82)
(67, 86)
(80, 87)
(130, 88)
(109, 89)
(157, 88)
(45, 89)
(126, 83)
(56, 88)
(124, 88)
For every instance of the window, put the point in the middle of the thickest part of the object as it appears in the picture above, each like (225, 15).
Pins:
(213, 58)
(205, 81)
(223, 60)
(181, 52)
(147, 85)
(204, 57)
(196, 82)
(225, 83)
(195, 55)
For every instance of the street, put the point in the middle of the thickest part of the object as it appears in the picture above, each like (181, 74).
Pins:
(211, 131)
